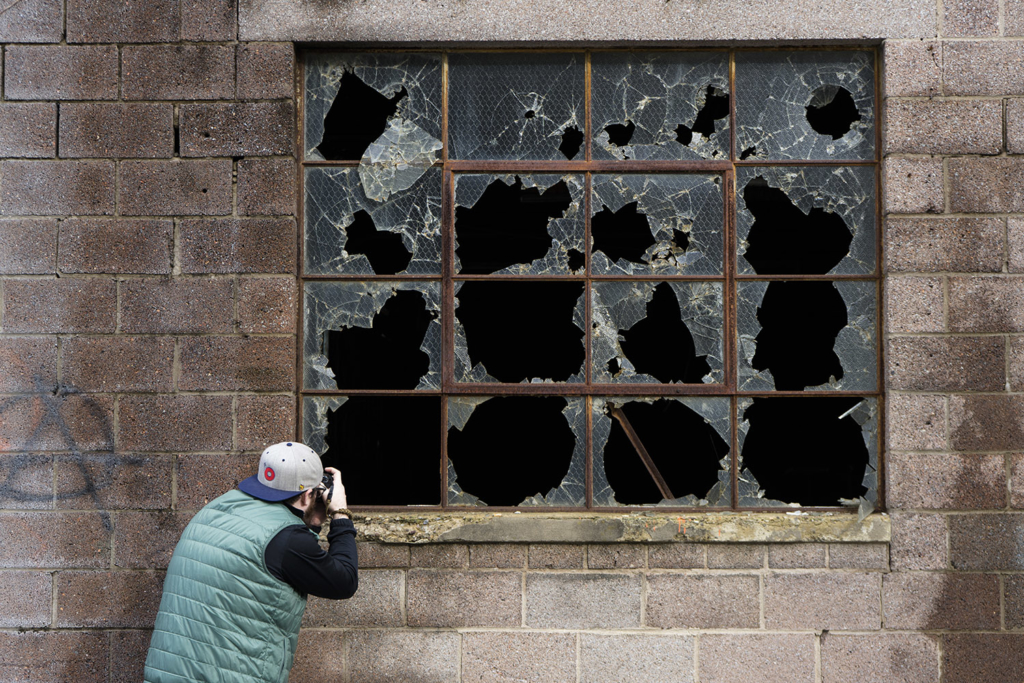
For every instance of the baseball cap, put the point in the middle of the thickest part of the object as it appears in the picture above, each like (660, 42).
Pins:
(286, 469)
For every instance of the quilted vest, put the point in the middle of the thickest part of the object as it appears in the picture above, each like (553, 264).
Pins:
(223, 617)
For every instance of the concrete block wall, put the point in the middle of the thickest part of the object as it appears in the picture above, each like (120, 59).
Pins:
(147, 350)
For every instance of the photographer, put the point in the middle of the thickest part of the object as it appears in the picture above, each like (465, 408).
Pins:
(237, 583)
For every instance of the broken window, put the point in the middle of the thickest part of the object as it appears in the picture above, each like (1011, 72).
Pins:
(573, 280)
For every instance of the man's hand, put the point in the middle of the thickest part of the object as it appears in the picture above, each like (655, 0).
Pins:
(338, 501)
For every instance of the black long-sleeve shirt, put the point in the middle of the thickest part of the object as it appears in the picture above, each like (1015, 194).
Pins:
(295, 557)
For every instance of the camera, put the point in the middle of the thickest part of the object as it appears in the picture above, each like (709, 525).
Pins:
(328, 483)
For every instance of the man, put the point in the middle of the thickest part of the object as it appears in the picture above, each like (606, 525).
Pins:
(237, 583)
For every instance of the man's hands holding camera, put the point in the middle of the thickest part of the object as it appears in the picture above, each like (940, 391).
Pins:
(333, 494)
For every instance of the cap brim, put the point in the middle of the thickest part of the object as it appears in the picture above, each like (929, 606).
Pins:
(254, 488)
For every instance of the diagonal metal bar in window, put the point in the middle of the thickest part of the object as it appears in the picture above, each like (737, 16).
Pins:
(615, 412)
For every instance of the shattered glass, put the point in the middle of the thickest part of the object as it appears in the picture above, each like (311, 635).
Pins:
(855, 345)
(567, 232)
(341, 305)
(715, 411)
(847, 191)
(314, 420)
(690, 204)
(618, 306)
(777, 90)
(572, 490)
(514, 106)
(335, 195)
(657, 92)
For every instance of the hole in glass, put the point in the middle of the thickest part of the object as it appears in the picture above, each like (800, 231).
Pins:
(358, 116)
(832, 111)
(383, 249)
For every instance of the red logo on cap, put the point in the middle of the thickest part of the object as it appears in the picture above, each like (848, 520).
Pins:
(268, 474)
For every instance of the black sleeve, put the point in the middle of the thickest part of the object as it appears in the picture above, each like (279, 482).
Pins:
(295, 557)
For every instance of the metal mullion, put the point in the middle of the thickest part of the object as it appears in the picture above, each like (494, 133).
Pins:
(808, 393)
(597, 166)
(370, 392)
(806, 162)
(370, 277)
(805, 276)
(447, 297)
(551, 389)
(300, 212)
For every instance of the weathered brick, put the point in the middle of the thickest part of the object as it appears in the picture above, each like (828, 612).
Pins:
(84, 599)
(859, 556)
(736, 556)
(616, 556)
(983, 67)
(266, 187)
(1013, 601)
(755, 657)
(266, 71)
(116, 130)
(54, 539)
(177, 305)
(95, 245)
(28, 364)
(28, 129)
(986, 423)
(981, 658)
(113, 482)
(378, 602)
(929, 600)
(128, 650)
(196, 187)
(175, 423)
(913, 67)
(118, 364)
(243, 129)
(60, 72)
(122, 21)
(986, 542)
(201, 478)
(40, 656)
(265, 420)
(796, 555)
(61, 422)
(835, 602)
(676, 556)
(178, 72)
(26, 481)
(1015, 126)
(944, 127)
(497, 556)
(946, 363)
(1015, 246)
(35, 21)
(383, 656)
(969, 245)
(557, 556)
(46, 188)
(970, 18)
(267, 305)
(455, 599)
(635, 658)
(947, 481)
(980, 185)
(916, 423)
(382, 555)
(208, 20)
(1016, 480)
(28, 246)
(146, 540)
(26, 599)
(912, 185)
(918, 541)
(246, 245)
(703, 601)
(581, 601)
(510, 656)
(320, 656)
(914, 304)
(986, 304)
(904, 657)
(237, 364)
(441, 555)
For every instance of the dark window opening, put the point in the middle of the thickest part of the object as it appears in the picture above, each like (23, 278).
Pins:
(623, 234)
(388, 355)
(511, 448)
(747, 153)
(619, 134)
(803, 450)
(716, 107)
(384, 249)
(387, 449)
(572, 140)
(832, 111)
(358, 116)
(577, 260)
(661, 345)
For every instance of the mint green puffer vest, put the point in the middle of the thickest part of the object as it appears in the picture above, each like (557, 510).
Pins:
(223, 617)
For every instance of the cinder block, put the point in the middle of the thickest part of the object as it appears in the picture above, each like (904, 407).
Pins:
(904, 657)
(946, 363)
(28, 246)
(979, 67)
(1013, 21)
(175, 423)
(57, 188)
(986, 304)
(944, 127)
(918, 541)
(209, 20)
(378, 602)
(243, 129)
(987, 542)
(912, 185)
(201, 478)
(1016, 480)
(196, 187)
(79, 656)
(94, 245)
(736, 556)
(932, 601)
(967, 245)
(912, 68)
(765, 658)
(265, 420)
(497, 556)
(382, 555)
(986, 185)
(947, 481)
(122, 21)
(61, 422)
(36, 21)
(28, 129)
(181, 306)
(116, 130)
(616, 556)
(55, 540)
(1013, 601)
(498, 657)
(582, 601)
(146, 540)
(60, 72)
(266, 71)
(981, 657)
(267, 305)
(28, 364)
(128, 650)
(26, 598)
(914, 304)
(986, 423)
(557, 556)
(916, 422)
(703, 601)
(266, 187)
(106, 481)
(231, 245)
(28, 481)
(237, 364)
(835, 602)
(118, 364)
(796, 555)
(970, 18)
(1015, 246)
(177, 72)
(440, 556)
(859, 556)
(84, 599)
(320, 656)
(635, 658)
(676, 556)
(456, 599)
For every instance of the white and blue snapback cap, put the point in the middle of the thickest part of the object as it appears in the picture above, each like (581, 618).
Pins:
(286, 469)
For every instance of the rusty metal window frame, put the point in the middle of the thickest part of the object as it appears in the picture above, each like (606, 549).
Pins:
(588, 390)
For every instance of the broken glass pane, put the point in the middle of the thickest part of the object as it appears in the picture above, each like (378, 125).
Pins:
(808, 451)
(353, 307)
(519, 224)
(805, 105)
(347, 232)
(516, 106)
(818, 219)
(807, 335)
(660, 105)
(651, 332)
(544, 436)
(522, 331)
(686, 439)
(657, 224)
